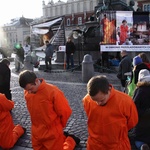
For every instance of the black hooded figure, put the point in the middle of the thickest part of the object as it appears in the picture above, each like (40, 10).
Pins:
(5, 75)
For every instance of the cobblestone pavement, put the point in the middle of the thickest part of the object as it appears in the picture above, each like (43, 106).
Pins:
(71, 84)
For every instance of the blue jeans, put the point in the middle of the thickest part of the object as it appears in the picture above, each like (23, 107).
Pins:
(138, 144)
(70, 59)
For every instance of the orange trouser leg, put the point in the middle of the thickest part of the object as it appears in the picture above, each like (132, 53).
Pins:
(17, 133)
(69, 143)
(48, 144)
(10, 138)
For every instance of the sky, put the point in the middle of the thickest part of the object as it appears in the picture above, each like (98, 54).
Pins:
(10, 9)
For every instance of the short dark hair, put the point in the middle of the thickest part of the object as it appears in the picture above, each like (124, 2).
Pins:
(124, 21)
(47, 42)
(26, 77)
(98, 84)
(144, 57)
(5, 61)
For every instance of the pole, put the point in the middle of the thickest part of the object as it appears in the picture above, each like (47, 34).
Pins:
(64, 60)
(78, 51)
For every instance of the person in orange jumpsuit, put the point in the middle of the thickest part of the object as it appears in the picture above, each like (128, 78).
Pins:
(49, 111)
(123, 32)
(9, 133)
(111, 114)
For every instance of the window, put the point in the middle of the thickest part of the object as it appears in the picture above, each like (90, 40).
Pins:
(146, 7)
(79, 20)
(68, 22)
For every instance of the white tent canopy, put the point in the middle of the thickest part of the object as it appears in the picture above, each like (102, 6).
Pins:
(43, 28)
(39, 31)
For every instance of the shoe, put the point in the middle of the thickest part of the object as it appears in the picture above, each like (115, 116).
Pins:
(76, 139)
(45, 70)
(66, 133)
(24, 129)
(145, 147)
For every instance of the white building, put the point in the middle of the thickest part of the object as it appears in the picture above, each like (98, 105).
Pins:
(17, 31)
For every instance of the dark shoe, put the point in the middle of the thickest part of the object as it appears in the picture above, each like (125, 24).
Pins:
(45, 70)
(76, 139)
(24, 129)
(66, 133)
(24, 132)
(145, 147)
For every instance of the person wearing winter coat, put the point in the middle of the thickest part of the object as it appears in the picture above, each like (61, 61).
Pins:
(9, 133)
(49, 111)
(142, 101)
(111, 114)
(70, 50)
(48, 56)
(137, 66)
(5, 76)
(125, 66)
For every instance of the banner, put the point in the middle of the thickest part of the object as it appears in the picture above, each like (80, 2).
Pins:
(125, 30)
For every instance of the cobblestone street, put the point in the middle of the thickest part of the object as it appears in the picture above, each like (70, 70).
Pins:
(71, 84)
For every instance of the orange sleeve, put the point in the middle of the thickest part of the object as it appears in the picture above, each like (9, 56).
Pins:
(86, 101)
(5, 104)
(62, 107)
(133, 118)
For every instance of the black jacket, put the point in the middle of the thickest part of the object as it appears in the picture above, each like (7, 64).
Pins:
(5, 75)
(49, 50)
(125, 65)
(70, 47)
(142, 101)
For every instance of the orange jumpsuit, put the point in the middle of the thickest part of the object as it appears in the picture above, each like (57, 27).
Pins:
(123, 33)
(108, 125)
(9, 133)
(49, 111)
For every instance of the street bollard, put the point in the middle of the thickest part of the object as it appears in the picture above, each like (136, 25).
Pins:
(28, 63)
(87, 68)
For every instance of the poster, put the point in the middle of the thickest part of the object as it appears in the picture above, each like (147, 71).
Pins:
(125, 30)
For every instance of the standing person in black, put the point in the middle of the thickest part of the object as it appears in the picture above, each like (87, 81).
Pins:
(48, 56)
(125, 66)
(70, 50)
(5, 75)
(105, 59)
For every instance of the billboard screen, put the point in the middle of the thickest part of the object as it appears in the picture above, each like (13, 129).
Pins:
(125, 30)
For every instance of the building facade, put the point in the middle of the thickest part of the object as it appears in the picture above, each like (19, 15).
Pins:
(17, 31)
(76, 12)
(144, 5)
